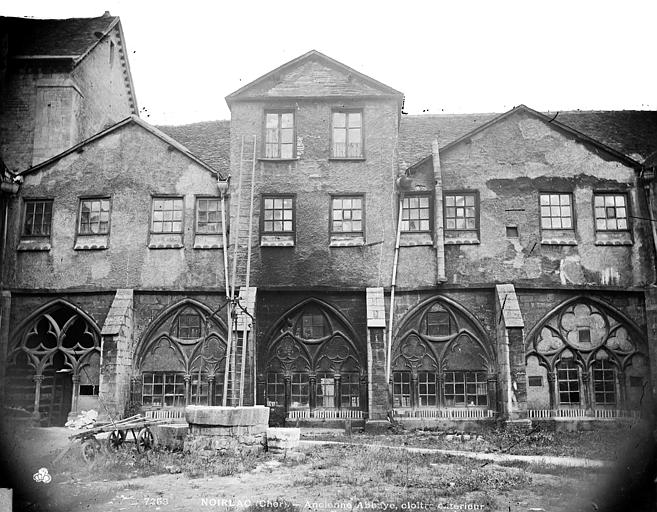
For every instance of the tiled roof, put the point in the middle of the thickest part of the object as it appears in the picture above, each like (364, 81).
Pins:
(630, 132)
(210, 141)
(71, 37)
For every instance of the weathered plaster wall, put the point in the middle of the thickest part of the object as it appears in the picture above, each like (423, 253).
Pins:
(129, 165)
(313, 177)
(510, 164)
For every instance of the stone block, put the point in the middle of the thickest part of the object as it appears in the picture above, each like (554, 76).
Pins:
(280, 440)
(170, 437)
(227, 416)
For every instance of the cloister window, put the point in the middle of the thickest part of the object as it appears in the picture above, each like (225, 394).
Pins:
(163, 389)
(312, 325)
(568, 382)
(465, 388)
(275, 389)
(401, 388)
(604, 383)
(427, 389)
(350, 390)
(325, 390)
(438, 322)
(299, 389)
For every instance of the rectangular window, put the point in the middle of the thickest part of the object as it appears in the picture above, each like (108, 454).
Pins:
(465, 388)
(163, 389)
(219, 388)
(347, 215)
(347, 134)
(461, 211)
(556, 211)
(299, 390)
(208, 215)
(610, 212)
(278, 214)
(401, 389)
(279, 135)
(427, 389)
(199, 389)
(94, 216)
(416, 213)
(325, 390)
(535, 381)
(604, 383)
(167, 215)
(438, 323)
(38, 217)
(568, 382)
(275, 389)
(349, 390)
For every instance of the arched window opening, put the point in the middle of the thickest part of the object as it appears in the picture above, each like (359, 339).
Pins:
(182, 360)
(587, 351)
(57, 357)
(314, 369)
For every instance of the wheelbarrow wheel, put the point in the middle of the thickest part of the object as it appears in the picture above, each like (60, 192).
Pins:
(145, 440)
(115, 440)
(90, 449)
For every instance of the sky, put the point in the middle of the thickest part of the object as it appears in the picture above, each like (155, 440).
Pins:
(446, 57)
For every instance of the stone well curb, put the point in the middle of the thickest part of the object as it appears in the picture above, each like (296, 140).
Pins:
(573, 462)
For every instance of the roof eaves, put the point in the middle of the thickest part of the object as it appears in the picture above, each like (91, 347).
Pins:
(551, 121)
(131, 119)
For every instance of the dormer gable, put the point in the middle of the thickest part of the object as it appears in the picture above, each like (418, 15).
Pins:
(313, 75)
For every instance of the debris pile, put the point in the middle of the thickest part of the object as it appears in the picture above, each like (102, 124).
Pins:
(85, 419)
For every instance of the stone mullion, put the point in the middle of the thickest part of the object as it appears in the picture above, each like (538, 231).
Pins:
(586, 400)
(211, 385)
(552, 389)
(76, 394)
(415, 390)
(188, 389)
(619, 377)
(38, 379)
(440, 389)
(312, 383)
(288, 392)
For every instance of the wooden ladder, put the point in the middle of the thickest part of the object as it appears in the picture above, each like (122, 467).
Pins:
(239, 325)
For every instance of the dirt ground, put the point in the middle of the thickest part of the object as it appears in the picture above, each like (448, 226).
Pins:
(319, 478)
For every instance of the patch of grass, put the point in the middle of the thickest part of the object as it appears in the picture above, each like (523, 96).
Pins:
(393, 475)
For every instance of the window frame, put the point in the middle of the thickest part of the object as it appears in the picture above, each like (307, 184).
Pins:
(464, 193)
(571, 365)
(573, 217)
(200, 197)
(605, 193)
(109, 215)
(354, 234)
(347, 111)
(182, 220)
(279, 112)
(28, 200)
(263, 197)
(431, 198)
(164, 374)
(605, 367)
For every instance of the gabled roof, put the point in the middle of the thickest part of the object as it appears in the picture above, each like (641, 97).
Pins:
(313, 75)
(66, 41)
(632, 133)
(210, 140)
(128, 120)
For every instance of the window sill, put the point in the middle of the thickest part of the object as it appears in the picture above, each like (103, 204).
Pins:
(203, 241)
(354, 241)
(415, 239)
(277, 241)
(166, 241)
(558, 241)
(613, 238)
(34, 244)
(91, 242)
(347, 159)
(265, 159)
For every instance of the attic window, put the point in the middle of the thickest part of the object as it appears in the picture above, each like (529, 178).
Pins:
(111, 54)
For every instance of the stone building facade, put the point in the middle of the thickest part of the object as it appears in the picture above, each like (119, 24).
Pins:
(413, 268)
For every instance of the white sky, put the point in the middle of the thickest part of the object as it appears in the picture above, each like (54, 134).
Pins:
(446, 57)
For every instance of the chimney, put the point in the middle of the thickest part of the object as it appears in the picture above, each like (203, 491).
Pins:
(107, 14)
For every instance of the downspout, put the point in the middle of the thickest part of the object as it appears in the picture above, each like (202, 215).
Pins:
(648, 177)
(439, 230)
(393, 284)
(223, 190)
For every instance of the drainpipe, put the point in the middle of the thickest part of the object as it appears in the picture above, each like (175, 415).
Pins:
(648, 177)
(439, 231)
(223, 190)
(392, 290)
